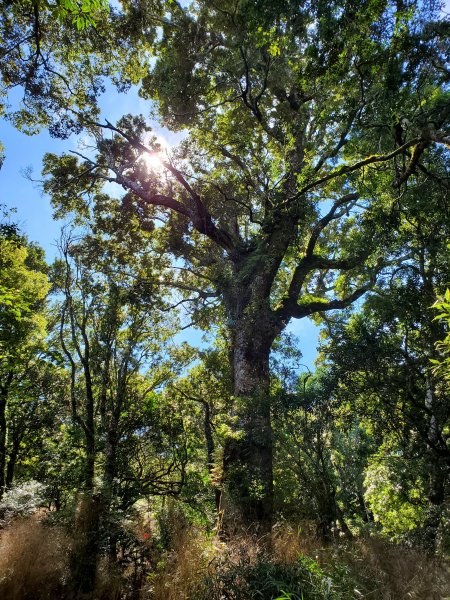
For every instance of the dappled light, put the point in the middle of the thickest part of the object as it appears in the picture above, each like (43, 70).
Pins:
(154, 159)
(224, 300)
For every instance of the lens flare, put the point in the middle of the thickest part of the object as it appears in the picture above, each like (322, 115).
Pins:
(153, 160)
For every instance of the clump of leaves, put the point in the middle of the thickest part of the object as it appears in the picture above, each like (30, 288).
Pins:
(442, 365)
(81, 14)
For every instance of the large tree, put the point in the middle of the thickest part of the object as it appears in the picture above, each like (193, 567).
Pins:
(23, 290)
(382, 357)
(112, 323)
(306, 124)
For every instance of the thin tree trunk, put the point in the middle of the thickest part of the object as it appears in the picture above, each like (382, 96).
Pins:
(10, 467)
(437, 475)
(108, 492)
(210, 449)
(2, 443)
(343, 524)
(4, 392)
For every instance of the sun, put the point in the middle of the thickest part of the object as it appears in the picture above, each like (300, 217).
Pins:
(154, 160)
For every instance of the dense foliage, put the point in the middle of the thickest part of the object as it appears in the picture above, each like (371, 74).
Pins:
(311, 180)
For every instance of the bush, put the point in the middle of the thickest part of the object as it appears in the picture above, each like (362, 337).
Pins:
(21, 501)
(265, 580)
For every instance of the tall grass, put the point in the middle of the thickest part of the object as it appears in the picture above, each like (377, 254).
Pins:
(33, 561)
(182, 561)
(397, 572)
(294, 565)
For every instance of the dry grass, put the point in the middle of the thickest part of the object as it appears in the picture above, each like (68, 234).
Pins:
(380, 569)
(194, 556)
(374, 567)
(403, 573)
(109, 582)
(34, 564)
(182, 567)
(33, 561)
(385, 570)
(290, 541)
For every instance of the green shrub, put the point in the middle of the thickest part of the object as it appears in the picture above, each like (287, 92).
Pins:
(264, 580)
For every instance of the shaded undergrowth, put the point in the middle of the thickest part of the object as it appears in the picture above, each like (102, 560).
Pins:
(176, 560)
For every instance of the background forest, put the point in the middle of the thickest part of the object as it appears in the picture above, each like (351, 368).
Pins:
(310, 179)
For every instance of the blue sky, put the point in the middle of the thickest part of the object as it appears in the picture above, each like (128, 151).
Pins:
(34, 213)
(24, 153)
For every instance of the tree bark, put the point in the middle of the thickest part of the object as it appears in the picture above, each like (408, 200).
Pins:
(2, 442)
(210, 449)
(4, 392)
(247, 500)
(326, 513)
(84, 556)
(11, 466)
(108, 490)
(437, 474)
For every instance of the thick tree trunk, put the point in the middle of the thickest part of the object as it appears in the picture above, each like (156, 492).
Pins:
(248, 478)
(438, 476)
(85, 552)
(326, 515)
(436, 498)
(84, 557)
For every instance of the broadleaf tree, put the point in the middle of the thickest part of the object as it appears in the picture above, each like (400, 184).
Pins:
(383, 356)
(306, 123)
(112, 333)
(23, 289)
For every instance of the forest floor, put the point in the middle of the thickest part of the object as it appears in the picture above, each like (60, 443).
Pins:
(186, 563)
